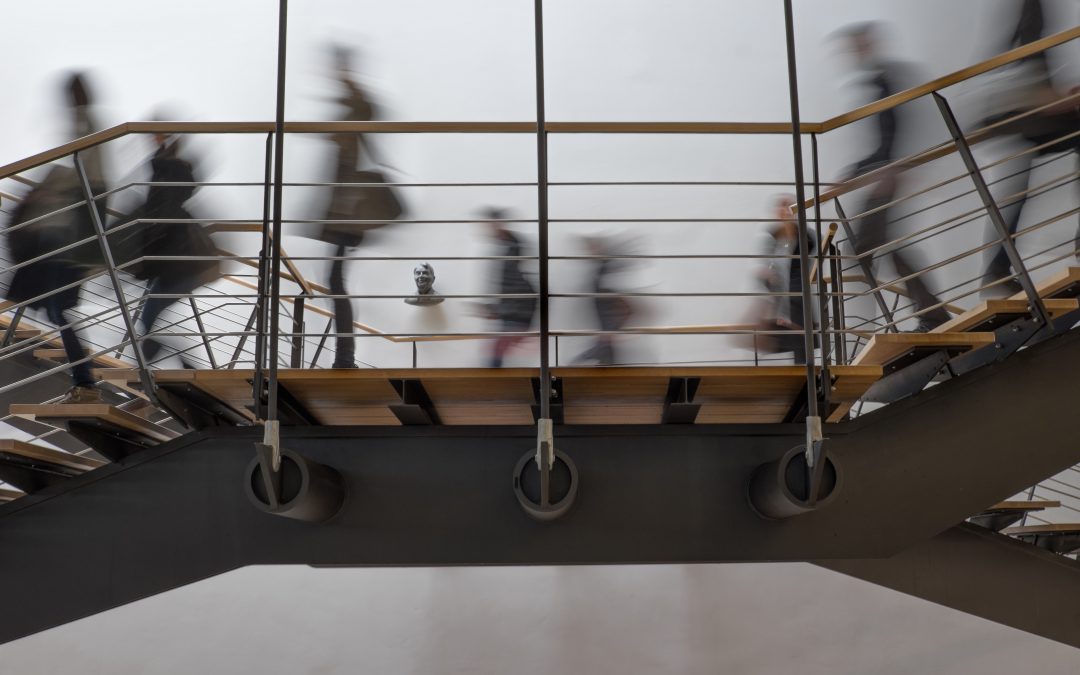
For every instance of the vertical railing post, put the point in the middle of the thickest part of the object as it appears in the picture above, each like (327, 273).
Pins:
(1038, 309)
(268, 452)
(259, 380)
(823, 297)
(145, 378)
(814, 444)
(544, 438)
(839, 317)
(296, 358)
(275, 250)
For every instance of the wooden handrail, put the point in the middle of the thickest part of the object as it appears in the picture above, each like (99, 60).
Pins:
(926, 156)
(679, 127)
(956, 77)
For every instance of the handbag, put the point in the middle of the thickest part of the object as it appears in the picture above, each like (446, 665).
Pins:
(375, 204)
(1025, 86)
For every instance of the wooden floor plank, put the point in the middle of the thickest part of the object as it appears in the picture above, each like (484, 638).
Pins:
(46, 454)
(614, 400)
(484, 396)
(493, 398)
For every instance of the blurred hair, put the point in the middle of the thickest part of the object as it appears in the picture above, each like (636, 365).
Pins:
(77, 89)
(494, 213)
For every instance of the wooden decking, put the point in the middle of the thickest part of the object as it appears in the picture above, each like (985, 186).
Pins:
(506, 396)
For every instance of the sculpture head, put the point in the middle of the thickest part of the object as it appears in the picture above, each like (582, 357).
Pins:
(424, 276)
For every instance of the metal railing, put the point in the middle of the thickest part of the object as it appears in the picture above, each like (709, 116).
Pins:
(851, 307)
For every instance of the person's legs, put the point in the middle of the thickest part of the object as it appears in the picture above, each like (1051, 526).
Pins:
(873, 231)
(153, 307)
(920, 294)
(343, 315)
(998, 265)
(81, 373)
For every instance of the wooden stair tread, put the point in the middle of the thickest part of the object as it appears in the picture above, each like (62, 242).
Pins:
(54, 354)
(1032, 505)
(99, 411)
(7, 495)
(1054, 285)
(989, 309)
(45, 454)
(885, 347)
(1049, 528)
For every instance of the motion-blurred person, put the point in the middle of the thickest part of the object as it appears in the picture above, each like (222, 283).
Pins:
(779, 277)
(872, 230)
(612, 312)
(350, 203)
(61, 188)
(1028, 85)
(515, 315)
(154, 238)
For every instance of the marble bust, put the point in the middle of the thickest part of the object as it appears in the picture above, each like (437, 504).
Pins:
(424, 277)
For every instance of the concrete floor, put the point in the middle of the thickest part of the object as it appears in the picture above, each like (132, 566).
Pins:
(732, 619)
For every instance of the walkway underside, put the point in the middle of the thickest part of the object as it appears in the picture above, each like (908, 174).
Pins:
(436, 495)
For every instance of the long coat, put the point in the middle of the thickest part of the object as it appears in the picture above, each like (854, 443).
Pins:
(152, 238)
(58, 190)
(515, 313)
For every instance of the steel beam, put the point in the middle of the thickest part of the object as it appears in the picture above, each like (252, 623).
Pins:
(980, 572)
(661, 494)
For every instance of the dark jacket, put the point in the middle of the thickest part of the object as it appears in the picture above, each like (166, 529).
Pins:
(58, 190)
(514, 312)
(157, 238)
(884, 81)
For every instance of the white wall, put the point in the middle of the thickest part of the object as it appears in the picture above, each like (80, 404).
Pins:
(472, 60)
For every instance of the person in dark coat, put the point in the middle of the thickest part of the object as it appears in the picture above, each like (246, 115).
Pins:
(154, 238)
(1040, 129)
(782, 276)
(61, 188)
(515, 315)
(611, 312)
(872, 231)
(346, 158)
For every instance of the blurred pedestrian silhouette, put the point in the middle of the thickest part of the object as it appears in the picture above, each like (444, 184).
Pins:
(781, 277)
(515, 315)
(613, 313)
(62, 188)
(1027, 85)
(351, 204)
(172, 185)
(872, 230)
